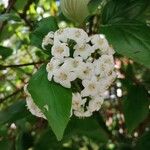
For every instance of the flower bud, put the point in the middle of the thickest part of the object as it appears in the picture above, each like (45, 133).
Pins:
(75, 10)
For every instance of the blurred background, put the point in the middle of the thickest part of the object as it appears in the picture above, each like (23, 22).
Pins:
(123, 122)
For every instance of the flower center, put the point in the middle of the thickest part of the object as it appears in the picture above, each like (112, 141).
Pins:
(63, 76)
(100, 42)
(50, 66)
(92, 86)
(75, 63)
(87, 71)
(77, 34)
(59, 49)
(82, 48)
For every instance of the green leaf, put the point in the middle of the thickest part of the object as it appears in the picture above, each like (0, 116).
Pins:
(130, 40)
(143, 142)
(47, 141)
(53, 99)
(24, 140)
(8, 31)
(87, 127)
(135, 106)
(5, 52)
(43, 27)
(93, 5)
(15, 112)
(19, 5)
(118, 10)
(6, 144)
(9, 16)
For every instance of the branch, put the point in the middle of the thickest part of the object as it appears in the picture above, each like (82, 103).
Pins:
(8, 9)
(23, 15)
(11, 95)
(20, 65)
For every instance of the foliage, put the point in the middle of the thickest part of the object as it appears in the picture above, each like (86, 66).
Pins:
(123, 121)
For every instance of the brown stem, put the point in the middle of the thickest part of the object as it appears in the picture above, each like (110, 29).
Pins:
(8, 9)
(11, 95)
(20, 65)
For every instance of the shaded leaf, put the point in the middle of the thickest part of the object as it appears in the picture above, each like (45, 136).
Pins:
(130, 40)
(9, 16)
(93, 5)
(6, 144)
(118, 10)
(43, 27)
(15, 112)
(135, 106)
(24, 141)
(143, 142)
(87, 127)
(47, 141)
(53, 99)
(5, 52)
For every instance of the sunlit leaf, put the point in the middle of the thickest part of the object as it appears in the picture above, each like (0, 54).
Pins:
(53, 99)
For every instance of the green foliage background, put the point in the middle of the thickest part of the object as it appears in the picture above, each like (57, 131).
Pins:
(123, 122)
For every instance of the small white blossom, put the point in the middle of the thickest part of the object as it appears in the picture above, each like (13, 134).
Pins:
(52, 66)
(104, 65)
(48, 39)
(81, 113)
(73, 63)
(64, 77)
(77, 101)
(84, 51)
(85, 71)
(100, 43)
(91, 87)
(78, 35)
(95, 103)
(60, 50)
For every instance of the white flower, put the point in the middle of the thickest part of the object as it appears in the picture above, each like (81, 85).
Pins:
(100, 42)
(85, 71)
(84, 51)
(106, 81)
(95, 103)
(78, 35)
(77, 101)
(91, 87)
(60, 50)
(104, 65)
(81, 113)
(51, 66)
(48, 39)
(108, 59)
(64, 77)
(32, 106)
(110, 51)
(73, 63)
(60, 36)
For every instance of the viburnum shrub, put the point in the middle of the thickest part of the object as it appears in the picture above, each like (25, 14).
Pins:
(84, 66)
(80, 62)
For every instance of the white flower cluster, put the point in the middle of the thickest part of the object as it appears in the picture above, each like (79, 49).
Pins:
(31, 105)
(84, 64)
